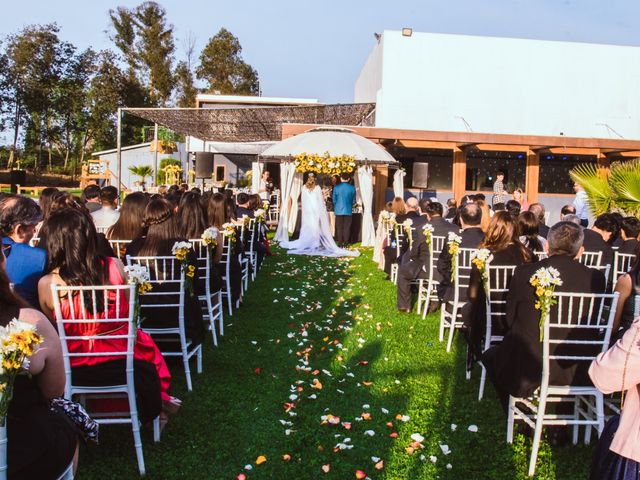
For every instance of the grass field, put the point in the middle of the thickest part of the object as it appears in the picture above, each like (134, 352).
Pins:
(384, 374)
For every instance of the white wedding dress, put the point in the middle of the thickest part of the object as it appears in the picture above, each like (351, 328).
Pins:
(315, 232)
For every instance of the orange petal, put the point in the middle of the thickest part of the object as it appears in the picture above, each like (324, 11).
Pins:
(360, 474)
(410, 450)
(326, 468)
(316, 384)
(367, 384)
(261, 459)
(390, 424)
(379, 465)
(347, 425)
(393, 434)
(286, 457)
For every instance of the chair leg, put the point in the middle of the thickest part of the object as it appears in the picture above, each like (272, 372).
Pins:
(221, 317)
(443, 314)
(212, 321)
(483, 379)
(576, 415)
(199, 359)
(510, 418)
(156, 430)
(135, 429)
(537, 435)
(452, 327)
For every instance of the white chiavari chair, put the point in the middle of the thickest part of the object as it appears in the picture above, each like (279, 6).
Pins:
(120, 344)
(622, 263)
(498, 280)
(225, 261)
(168, 293)
(589, 317)
(119, 248)
(398, 239)
(451, 311)
(427, 287)
(210, 300)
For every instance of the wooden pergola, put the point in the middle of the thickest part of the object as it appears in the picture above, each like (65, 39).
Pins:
(462, 143)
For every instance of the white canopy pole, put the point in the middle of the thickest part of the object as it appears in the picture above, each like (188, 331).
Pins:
(365, 180)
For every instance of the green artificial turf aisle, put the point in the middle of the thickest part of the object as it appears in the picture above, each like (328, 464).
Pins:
(318, 367)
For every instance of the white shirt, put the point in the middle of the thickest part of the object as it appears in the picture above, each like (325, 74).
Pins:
(580, 202)
(104, 218)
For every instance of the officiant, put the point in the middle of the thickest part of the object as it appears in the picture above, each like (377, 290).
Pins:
(344, 196)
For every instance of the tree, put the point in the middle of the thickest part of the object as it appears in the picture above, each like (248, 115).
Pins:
(223, 68)
(147, 45)
(142, 171)
(185, 86)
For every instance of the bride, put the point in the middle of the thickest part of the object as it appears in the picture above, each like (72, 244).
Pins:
(315, 233)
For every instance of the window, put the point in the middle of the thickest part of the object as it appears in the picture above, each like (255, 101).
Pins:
(554, 172)
(221, 170)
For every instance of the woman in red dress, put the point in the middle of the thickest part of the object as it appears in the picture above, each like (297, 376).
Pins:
(73, 260)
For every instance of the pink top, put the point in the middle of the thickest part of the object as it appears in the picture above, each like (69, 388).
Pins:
(606, 373)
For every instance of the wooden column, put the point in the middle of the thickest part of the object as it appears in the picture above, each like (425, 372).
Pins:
(532, 176)
(602, 159)
(380, 187)
(459, 175)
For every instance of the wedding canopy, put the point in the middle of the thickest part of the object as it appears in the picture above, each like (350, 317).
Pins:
(334, 142)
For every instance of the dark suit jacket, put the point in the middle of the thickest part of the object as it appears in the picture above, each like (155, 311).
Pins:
(240, 211)
(420, 251)
(471, 238)
(543, 230)
(593, 242)
(628, 246)
(515, 366)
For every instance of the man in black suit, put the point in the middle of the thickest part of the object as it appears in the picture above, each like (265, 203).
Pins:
(390, 253)
(538, 210)
(470, 218)
(419, 256)
(515, 365)
(629, 232)
(596, 238)
(242, 208)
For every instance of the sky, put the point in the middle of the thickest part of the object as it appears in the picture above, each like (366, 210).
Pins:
(317, 49)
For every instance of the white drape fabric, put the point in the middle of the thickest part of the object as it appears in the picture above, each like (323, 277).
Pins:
(365, 181)
(377, 247)
(287, 171)
(315, 231)
(398, 183)
(295, 195)
(256, 175)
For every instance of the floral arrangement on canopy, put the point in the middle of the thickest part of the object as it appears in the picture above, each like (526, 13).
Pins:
(326, 164)
(173, 174)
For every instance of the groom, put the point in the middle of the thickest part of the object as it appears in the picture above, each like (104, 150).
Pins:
(344, 194)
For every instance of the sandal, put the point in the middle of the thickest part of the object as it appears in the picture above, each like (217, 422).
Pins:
(171, 406)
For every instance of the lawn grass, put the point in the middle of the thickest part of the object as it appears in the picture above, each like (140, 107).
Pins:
(340, 317)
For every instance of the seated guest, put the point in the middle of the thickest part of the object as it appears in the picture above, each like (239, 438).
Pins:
(519, 196)
(190, 218)
(515, 365)
(108, 214)
(629, 232)
(501, 239)
(19, 217)
(528, 231)
(617, 455)
(398, 206)
(46, 198)
(242, 206)
(42, 442)
(472, 235)
(513, 207)
(390, 252)
(567, 210)
(73, 259)
(486, 213)
(628, 285)
(218, 215)
(597, 237)
(452, 210)
(419, 255)
(91, 197)
(616, 240)
(162, 234)
(538, 210)
(570, 217)
(129, 224)
(230, 205)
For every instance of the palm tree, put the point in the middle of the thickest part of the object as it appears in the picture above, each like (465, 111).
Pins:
(616, 188)
(142, 171)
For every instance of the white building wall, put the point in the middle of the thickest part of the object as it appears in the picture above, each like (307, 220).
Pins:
(502, 85)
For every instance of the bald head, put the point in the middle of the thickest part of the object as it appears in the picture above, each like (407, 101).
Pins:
(412, 203)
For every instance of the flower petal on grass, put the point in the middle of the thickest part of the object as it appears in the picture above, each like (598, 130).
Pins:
(261, 459)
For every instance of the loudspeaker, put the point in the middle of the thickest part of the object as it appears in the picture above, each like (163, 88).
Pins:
(420, 175)
(204, 164)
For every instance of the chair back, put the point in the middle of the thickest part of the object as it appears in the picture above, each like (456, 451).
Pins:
(398, 235)
(96, 323)
(591, 259)
(437, 244)
(167, 280)
(541, 255)
(498, 280)
(119, 247)
(34, 241)
(462, 272)
(577, 329)
(102, 229)
(622, 263)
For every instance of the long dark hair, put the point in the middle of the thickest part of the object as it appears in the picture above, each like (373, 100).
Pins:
(46, 197)
(190, 217)
(255, 202)
(161, 228)
(502, 231)
(129, 225)
(528, 227)
(216, 210)
(72, 248)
